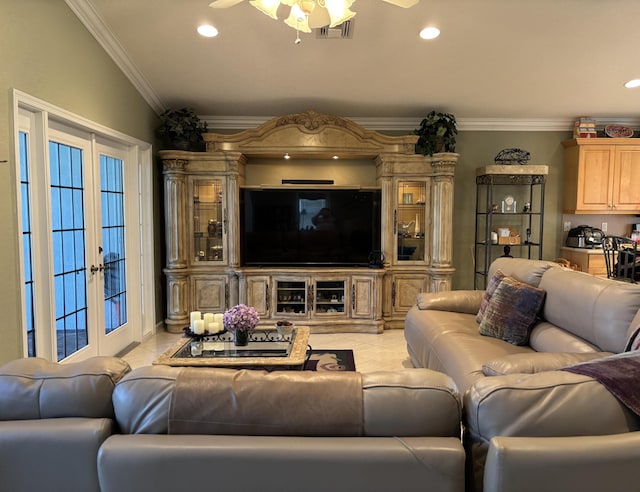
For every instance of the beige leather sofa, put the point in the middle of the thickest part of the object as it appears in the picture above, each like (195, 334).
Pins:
(95, 426)
(528, 425)
(53, 419)
(257, 431)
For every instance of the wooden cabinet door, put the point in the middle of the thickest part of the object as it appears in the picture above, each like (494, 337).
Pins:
(405, 290)
(257, 294)
(626, 185)
(209, 293)
(362, 297)
(595, 178)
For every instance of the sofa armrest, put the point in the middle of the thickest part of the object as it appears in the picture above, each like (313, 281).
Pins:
(51, 454)
(459, 301)
(585, 463)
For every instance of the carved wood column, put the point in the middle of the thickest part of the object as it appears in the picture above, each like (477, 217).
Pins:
(175, 213)
(442, 239)
(235, 162)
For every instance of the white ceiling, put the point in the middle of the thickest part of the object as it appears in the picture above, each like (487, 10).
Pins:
(497, 61)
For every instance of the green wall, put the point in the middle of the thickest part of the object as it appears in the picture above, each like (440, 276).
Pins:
(479, 148)
(47, 53)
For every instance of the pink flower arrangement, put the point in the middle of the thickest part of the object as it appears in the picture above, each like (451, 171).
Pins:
(240, 318)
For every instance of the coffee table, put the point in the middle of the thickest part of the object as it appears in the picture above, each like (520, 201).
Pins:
(266, 350)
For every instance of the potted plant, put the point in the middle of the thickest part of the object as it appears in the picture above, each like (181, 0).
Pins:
(181, 129)
(437, 134)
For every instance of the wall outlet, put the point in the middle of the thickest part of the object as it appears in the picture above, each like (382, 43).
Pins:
(567, 226)
(604, 226)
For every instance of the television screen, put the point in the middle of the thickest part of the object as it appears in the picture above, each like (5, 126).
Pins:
(305, 227)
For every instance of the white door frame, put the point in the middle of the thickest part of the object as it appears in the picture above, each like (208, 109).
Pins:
(41, 114)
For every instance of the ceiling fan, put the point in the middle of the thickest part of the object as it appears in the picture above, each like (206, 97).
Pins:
(305, 15)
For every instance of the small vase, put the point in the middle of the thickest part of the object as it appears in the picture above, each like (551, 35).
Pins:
(240, 338)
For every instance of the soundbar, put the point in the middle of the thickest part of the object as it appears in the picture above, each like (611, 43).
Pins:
(308, 181)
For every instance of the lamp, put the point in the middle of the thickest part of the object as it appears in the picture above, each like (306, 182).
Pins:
(305, 14)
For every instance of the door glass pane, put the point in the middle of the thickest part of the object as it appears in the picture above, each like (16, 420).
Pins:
(27, 243)
(68, 243)
(113, 242)
(411, 220)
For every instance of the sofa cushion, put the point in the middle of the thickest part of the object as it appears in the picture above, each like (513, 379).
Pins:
(536, 362)
(512, 311)
(527, 271)
(144, 402)
(35, 388)
(494, 281)
(598, 310)
(278, 403)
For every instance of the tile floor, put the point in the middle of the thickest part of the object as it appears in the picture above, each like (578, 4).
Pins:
(372, 352)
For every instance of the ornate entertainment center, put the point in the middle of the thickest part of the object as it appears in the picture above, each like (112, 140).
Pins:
(214, 219)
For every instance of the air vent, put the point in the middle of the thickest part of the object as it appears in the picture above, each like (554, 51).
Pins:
(341, 31)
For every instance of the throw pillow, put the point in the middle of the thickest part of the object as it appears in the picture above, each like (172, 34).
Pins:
(494, 281)
(634, 341)
(512, 311)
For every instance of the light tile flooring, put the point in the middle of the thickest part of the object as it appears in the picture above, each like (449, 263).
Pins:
(372, 352)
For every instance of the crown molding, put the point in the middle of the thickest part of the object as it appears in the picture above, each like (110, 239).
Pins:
(101, 32)
(409, 124)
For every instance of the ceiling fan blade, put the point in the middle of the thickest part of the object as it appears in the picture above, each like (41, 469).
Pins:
(402, 3)
(223, 4)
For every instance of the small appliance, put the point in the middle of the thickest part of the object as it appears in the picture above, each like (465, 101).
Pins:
(585, 236)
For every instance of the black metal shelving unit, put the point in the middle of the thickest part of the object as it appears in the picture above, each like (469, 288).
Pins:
(524, 218)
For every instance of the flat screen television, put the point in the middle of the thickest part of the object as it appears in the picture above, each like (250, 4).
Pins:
(308, 227)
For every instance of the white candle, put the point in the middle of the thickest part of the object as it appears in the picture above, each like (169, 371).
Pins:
(195, 315)
(217, 318)
(208, 318)
(213, 327)
(198, 327)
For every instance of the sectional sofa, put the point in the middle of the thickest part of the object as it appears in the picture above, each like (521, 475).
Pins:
(532, 417)
(530, 424)
(98, 426)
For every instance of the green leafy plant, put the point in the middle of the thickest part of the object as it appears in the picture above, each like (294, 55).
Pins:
(181, 129)
(437, 133)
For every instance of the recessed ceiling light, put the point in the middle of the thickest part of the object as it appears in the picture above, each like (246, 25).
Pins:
(632, 83)
(207, 30)
(430, 33)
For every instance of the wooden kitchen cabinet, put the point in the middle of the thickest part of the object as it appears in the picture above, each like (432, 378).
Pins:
(588, 260)
(601, 176)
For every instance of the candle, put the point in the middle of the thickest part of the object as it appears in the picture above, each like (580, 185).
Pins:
(198, 327)
(195, 315)
(213, 327)
(217, 318)
(208, 318)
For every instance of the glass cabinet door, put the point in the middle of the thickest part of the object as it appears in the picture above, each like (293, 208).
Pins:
(330, 297)
(410, 220)
(208, 220)
(291, 297)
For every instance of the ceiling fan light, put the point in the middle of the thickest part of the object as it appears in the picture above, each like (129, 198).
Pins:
(298, 20)
(339, 11)
(268, 7)
(307, 6)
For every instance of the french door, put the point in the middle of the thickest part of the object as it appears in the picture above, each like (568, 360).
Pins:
(81, 242)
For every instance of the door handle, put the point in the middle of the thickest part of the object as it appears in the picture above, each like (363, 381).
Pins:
(100, 268)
